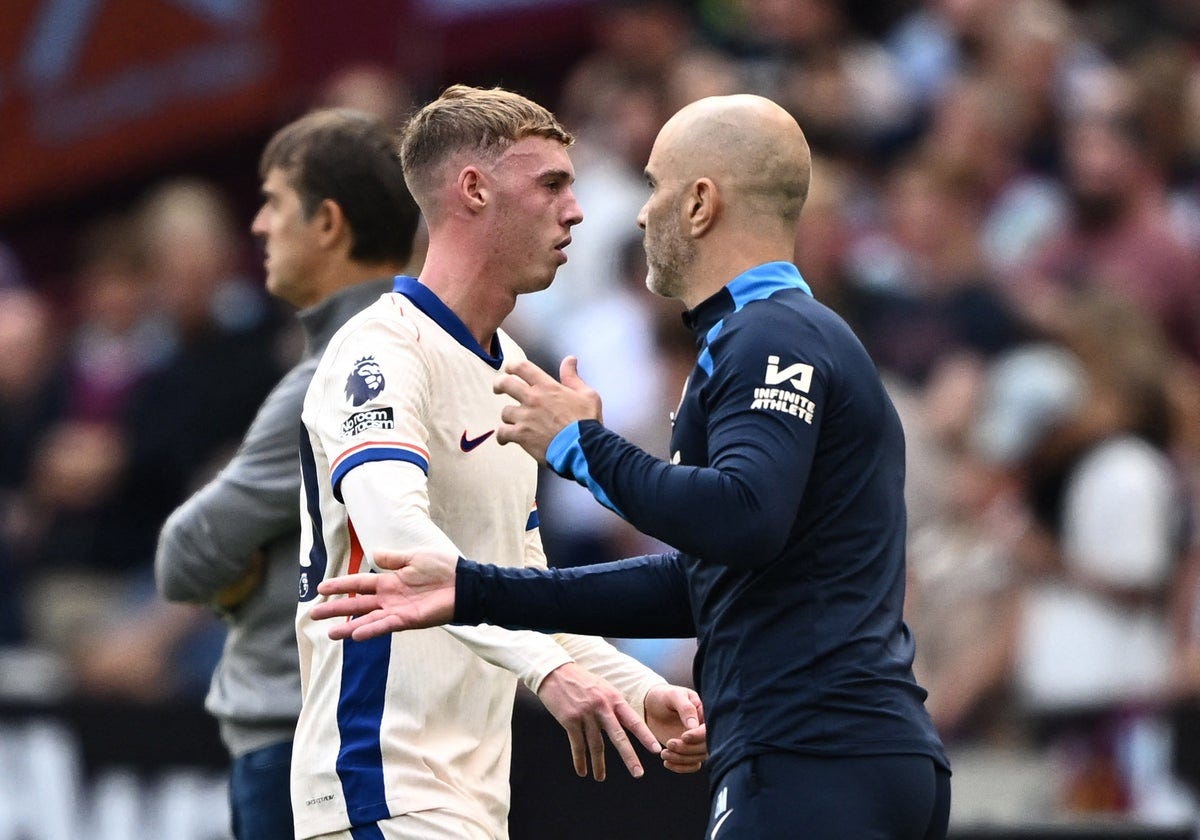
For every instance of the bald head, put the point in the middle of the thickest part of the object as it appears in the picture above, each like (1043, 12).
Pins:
(750, 147)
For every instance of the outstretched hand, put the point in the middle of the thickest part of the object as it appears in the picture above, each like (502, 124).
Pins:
(545, 407)
(413, 589)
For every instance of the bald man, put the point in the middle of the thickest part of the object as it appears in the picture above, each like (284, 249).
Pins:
(783, 495)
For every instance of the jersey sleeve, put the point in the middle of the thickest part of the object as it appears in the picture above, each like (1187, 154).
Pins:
(639, 598)
(375, 391)
(388, 505)
(765, 399)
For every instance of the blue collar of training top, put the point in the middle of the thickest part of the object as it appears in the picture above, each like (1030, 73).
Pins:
(758, 283)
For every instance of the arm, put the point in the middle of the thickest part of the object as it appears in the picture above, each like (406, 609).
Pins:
(417, 589)
(209, 543)
(640, 597)
(387, 503)
(739, 509)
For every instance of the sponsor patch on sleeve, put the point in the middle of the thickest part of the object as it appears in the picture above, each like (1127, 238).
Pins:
(362, 421)
(365, 382)
(796, 380)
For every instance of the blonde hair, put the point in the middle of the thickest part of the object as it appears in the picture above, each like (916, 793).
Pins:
(486, 120)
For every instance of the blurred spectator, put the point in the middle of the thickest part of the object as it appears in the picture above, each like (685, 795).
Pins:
(974, 134)
(383, 91)
(1093, 644)
(963, 583)
(11, 275)
(1120, 239)
(221, 361)
(922, 288)
(215, 360)
(116, 341)
(373, 88)
(31, 397)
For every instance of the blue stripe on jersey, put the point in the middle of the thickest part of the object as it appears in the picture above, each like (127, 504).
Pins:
(359, 715)
(565, 456)
(318, 557)
(534, 521)
(366, 832)
(756, 284)
(375, 453)
(432, 305)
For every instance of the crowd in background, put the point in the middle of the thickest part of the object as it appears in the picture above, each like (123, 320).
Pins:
(1005, 206)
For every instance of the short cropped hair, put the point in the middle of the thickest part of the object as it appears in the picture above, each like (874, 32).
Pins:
(349, 157)
(487, 120)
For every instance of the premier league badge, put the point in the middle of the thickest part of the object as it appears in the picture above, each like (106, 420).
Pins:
(365, 381)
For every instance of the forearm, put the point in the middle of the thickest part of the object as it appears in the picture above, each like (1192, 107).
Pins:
(737, 512)
(389, 509)
(641, 597)
(207, 543)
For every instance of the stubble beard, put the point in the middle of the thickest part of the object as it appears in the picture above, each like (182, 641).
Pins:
(668, 261)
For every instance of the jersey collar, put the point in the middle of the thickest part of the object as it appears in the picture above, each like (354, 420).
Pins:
(429, 303)
(757, 283)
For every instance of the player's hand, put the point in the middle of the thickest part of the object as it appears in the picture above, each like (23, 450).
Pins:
(413, 589)
(676, 717)
(545, 407)
(588, 708)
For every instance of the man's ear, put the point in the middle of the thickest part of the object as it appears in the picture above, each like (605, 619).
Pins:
(473, 189)
(703, 205)
(330, 223)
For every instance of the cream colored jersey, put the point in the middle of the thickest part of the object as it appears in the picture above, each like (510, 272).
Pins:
(400, 452)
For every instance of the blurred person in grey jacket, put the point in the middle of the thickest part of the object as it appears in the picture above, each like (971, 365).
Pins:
(337, 223)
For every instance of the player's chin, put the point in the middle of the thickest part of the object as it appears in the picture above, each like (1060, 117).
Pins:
(540, 282)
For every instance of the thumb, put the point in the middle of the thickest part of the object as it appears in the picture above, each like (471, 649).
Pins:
(568, 373)
(386, 559)
(689, 715)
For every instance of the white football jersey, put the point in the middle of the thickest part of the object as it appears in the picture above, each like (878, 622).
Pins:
(400, 452)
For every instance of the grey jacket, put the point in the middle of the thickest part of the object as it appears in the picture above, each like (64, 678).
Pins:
(254, 503)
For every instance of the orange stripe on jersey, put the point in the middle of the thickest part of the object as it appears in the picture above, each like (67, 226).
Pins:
(371, 443)
(356, 549)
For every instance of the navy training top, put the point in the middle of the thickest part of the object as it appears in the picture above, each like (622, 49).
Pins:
(784, 496)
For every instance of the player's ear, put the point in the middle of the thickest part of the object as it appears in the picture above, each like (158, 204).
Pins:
(473, 189)
(702, 204)
(330, 223)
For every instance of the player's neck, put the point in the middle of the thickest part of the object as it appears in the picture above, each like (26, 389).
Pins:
(479, 302)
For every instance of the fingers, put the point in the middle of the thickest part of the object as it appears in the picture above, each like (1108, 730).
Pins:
(686, 706)
(360, 584)
(386, 559)
(346, 629)
(688, 752)
(336, 607)
(529, 373)
(578, 751)
(633, 722)
(513, 386)
(682, 767)
(595, 745)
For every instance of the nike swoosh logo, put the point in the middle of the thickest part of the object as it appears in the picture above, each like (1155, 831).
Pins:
(468, 444)
(720, 822)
